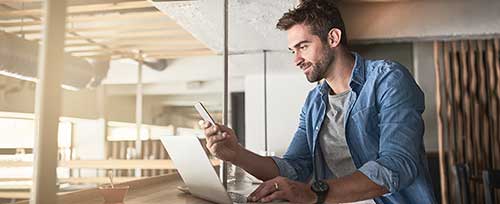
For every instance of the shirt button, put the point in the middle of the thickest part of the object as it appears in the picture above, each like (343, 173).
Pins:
(317, 128)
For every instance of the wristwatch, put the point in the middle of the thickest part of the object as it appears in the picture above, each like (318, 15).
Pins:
(321, 188)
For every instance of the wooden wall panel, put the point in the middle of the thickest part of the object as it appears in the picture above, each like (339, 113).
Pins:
(470, 128)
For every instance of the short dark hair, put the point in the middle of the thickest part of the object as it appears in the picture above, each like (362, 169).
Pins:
(320, 15)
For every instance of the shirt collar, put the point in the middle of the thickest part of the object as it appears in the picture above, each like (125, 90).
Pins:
(357, 75)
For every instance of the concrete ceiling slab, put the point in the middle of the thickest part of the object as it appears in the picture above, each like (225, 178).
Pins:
(251, 22)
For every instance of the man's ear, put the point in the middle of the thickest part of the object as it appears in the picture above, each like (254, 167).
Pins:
(334, 37)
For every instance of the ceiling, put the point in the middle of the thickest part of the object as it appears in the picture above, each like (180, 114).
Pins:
(251, 22)
(178, 29)
(107, 29)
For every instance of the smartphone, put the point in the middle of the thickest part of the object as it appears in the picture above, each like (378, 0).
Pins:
(204, 113)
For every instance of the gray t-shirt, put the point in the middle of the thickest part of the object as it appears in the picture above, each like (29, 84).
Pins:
(332, 139)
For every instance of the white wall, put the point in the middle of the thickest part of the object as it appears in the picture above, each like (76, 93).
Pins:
(399, 52)
(416, 20)
(285, 97)
(122, 108)
(424, 74)
(287, 89)
(254, 113)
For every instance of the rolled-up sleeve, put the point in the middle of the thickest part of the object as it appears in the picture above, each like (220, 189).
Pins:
(296, 164)
(285, 168)
(380, 175)
(400, 103)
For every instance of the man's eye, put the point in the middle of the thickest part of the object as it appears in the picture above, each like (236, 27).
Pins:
(303, 47)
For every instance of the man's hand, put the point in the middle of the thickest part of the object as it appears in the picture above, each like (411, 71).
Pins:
(281, 188)
(221, 141)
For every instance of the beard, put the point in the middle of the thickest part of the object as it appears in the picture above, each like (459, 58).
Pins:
(320, 69)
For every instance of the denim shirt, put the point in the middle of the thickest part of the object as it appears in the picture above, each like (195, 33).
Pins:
(384, 132)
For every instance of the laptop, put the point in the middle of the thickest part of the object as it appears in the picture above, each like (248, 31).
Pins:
(197, 172)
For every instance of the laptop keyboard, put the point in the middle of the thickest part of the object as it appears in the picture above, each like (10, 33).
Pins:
(237, 198)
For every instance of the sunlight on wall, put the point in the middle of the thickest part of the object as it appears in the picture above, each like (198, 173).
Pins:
(20, 133)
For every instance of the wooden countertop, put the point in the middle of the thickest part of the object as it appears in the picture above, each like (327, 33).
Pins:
(159, 189)
(105, 164)
(22, 191)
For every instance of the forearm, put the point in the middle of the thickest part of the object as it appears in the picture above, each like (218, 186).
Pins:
(261, 167)
(354, 187)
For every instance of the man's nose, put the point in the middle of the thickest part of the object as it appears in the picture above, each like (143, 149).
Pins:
(298, 59)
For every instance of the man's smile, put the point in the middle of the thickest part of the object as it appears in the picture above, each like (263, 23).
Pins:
(305, 67)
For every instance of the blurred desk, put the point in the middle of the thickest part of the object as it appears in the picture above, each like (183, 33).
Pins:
(15, 194)
(159, 189)
(105, 164)
(16, 191)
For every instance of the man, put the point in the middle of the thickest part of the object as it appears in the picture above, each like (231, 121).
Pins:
(360, 131)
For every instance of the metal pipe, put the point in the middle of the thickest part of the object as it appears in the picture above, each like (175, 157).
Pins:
(223, 166)
(266, 148)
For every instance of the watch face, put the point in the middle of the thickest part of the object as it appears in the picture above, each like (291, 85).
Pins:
(320, 186)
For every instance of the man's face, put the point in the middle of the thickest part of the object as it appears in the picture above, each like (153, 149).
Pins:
(311, 55)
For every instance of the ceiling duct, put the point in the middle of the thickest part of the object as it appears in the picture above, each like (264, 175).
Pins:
(158, 65)
(100, 68)
(19, 57)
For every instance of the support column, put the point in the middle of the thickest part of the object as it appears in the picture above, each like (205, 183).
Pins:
(138, 113)
(48, 102)
(103, 125)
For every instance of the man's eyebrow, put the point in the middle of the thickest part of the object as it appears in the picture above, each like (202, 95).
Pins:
(298, 44)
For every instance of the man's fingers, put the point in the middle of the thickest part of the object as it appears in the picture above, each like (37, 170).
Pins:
(274, 196)
(211, 130)
(225, 129)
(216, 138)
(215, 145)
(263, 190)
(201, 123)
(258, 189)
(204, 124)
(215, 130)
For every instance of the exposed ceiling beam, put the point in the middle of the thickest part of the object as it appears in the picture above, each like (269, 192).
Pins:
(134, 47)
(138, 41)
(109, 37)
(101, 8)
(142, 48)
(69, 1)
(158, 55)
(122, 36)
(160, 42)
(121, 28)
(18, 1)
(146, 52)
(35, 18)
(93, 18)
